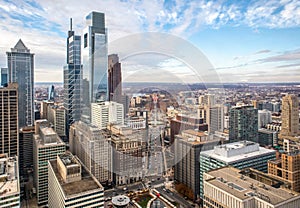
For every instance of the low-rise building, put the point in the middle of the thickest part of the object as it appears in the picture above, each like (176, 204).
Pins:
(230, 187)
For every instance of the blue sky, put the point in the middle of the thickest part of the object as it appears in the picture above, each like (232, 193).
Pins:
(250, 41)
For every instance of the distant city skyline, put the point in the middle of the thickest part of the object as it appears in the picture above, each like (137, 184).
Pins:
(246, 41)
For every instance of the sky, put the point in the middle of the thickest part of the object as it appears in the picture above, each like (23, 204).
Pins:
(244, 40)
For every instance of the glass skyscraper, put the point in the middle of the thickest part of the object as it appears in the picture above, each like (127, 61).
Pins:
(94, 82)
(20, 69)
(72, 78)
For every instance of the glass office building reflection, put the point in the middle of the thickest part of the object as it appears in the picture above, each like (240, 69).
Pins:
(94, 52)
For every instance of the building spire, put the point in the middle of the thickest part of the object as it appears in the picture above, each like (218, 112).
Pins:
(71, 24)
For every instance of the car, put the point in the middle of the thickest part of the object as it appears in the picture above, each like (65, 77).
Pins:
(124, 189)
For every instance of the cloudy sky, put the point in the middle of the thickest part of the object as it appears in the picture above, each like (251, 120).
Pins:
(244, 40)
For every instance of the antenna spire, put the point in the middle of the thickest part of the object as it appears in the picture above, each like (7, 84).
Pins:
(71, 24)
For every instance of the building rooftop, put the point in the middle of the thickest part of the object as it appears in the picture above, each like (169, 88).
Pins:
(88, 183)
(120, 200)
(9, 181)
(236, 151)
(231, 180)
(195, 137)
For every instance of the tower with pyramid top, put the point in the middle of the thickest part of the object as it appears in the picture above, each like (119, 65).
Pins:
(20, 64)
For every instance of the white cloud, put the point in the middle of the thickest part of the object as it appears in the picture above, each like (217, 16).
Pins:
(42, 29)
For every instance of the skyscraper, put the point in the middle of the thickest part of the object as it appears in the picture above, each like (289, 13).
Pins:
(51, 93)
(114, 78)
(9, 136)
(290, 116)
(72, 78)
(243, 123)
(94, 82)
(20, 69)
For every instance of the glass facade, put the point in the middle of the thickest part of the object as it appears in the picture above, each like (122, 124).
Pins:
(20, 69)
(94, 82)
(72, 79)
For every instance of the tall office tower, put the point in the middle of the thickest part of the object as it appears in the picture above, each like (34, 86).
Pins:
(46, 146)
(26, 149)
(114, 78)
(188, 145)
(241, 154)
(9, 182)
(213, 116)
(72, 185)
(287, 168)
(107, 112)
(91, 146)
(9, 129)
(243, 123)
(4, 76)
(57, 117)
(208, 100)
(267, 137)
(20, 64)
(94, 52)
(231, 187)
(127, 162)
(51, 93)
(290, 116)
(264, 118)
(72, 78)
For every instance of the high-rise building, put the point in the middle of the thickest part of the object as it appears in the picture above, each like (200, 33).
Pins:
(188, 145)
(290, 116)
(267, 137)
(51, 93)
(264, 118)
(26, 149)
(57, 116)
(9, 182)
(231, 187)
(91, 146)
(44, 108)
(241, 155)
(243, 123)
(127, 162)
(114, 78)
(183, 122)
(72, 185)
(72, 79)
(9, 128)
(207, 100)
(287, 168)
(94, 52)
(46, 146)
(107, 112)
(4, 76)
(20, 64)
(213, 116)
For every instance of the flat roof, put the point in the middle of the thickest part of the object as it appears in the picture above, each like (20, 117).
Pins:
(9, 181)
(230, 180)
(86, 184)
(237, 157)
